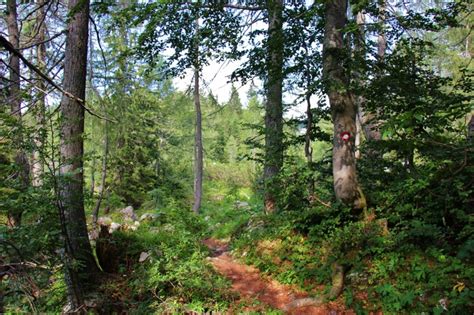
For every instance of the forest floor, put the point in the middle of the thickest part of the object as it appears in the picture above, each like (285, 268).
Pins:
(250, 284)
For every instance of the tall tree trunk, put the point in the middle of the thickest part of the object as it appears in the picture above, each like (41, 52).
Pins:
(368, 119)
(21, 161)
(343, 110)
(360, 51)
(373, 126)
(381, 39)
(273, 106)
(90, 75)
(95, 213)
(78, 248)
(37, 167)
(198, 150)
(308, 150)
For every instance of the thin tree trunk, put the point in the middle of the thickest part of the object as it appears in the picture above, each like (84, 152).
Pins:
(92, 188)
(368, 120)
(90, 74)
(346, 186)
(372, 128)
(40, 107)
(381, 39)
(95, 213)
(21, 161)
(78, 248)
(198, 151)
(273, 106)
(359, 44)
(308, 150)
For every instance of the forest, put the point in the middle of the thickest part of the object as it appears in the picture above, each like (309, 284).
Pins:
(236, 157)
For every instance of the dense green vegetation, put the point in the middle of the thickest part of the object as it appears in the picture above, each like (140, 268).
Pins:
(407, 248)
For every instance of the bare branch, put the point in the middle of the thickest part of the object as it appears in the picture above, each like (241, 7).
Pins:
(8, 46)
(45, 41)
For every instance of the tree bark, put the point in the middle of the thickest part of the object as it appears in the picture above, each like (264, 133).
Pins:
(23, 170)
(343, 110)
(198, 150)
(381, 39)
(360, 51)
(308, 150)
(78, 248)
(37, 166)
(273, 107)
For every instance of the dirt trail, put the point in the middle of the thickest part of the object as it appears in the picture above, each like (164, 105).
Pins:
(248, 282)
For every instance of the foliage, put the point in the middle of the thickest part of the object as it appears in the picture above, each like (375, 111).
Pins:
(175, 270)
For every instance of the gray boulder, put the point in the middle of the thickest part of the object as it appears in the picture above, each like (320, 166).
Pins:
(129, 214)
(148, 217)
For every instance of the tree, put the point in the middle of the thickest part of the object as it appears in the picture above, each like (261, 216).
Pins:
(80, 263)
(346, 186)
(15, 99)
(198, 150)
(175, 25)
(273, 106)
(37, 164)
(367, 119)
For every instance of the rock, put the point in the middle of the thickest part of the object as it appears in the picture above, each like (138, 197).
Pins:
(148, 217)
(104, 221)
(134, 226)
(217, 197)
(144, 256)
(129, 214)
(114, 226)
(241, 204)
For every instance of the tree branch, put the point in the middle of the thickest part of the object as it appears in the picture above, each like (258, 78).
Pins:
(8, 46)
(44, 41)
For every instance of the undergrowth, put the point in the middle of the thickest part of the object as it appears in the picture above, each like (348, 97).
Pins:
(383, 271)
(175, 276)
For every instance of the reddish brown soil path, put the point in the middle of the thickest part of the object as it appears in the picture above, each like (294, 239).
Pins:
(248, 282)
